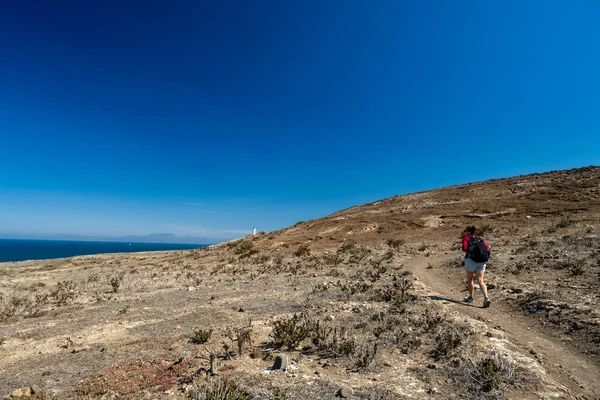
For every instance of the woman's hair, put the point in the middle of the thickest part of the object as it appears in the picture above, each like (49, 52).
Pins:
(472, 229)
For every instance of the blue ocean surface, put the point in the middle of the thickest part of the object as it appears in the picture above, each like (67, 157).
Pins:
(27, 249)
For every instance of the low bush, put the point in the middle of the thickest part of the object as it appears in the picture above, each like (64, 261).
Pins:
(243, 246)
(397, 292)
(365, 356)
(395, 243)
(451, 340)
(351, 288)
(485, 229)
(302, 251)
(115, 282)
(347, 246)
(493, 373)
(289, 332)
(201, 336)
(564, 222)
(64, 292)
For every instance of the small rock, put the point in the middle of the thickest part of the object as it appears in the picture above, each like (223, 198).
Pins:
(281, 362)
(432, 390)
(241, 309)
(23, 392)
(345, 392)
(431, 366)
(35, 389)
(532, 351)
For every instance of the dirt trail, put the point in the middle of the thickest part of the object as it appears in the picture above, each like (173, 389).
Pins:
(564, 364)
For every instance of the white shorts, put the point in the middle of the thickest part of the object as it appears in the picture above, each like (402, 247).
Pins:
(473, 266)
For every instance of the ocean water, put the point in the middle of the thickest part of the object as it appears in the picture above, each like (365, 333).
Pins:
(25, 249)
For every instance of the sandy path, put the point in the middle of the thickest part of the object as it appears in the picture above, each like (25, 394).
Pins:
(578, 372)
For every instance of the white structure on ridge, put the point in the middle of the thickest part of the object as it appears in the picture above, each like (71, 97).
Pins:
(254, 231)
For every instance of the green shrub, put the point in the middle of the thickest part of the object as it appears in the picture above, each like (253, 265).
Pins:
(485, 229)
(222, 389)
(347, 347)
(249, 253)
(115, 282)
(201, 336)
(396, 292)
(365, 356)
(243, 246)
(64, 292)
(395, 243)
(347, 246)
(487, 374)
(352, 288)
(289, 332)
(493, 374)
(302, 251)
(452, 339)
(564, 222)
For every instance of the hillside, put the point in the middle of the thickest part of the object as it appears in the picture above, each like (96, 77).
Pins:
(366, 300)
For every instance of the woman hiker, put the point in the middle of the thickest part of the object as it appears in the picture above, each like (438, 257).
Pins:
(475, 269)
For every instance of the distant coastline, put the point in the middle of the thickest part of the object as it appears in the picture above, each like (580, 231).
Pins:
(151, 238)
(13, 250)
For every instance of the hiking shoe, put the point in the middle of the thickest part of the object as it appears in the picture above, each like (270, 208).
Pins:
(486, 302)
(468, 299)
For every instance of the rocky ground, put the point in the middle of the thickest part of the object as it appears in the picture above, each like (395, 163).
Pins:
(364, 303)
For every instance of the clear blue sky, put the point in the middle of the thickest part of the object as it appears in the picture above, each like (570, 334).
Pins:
(133, 117)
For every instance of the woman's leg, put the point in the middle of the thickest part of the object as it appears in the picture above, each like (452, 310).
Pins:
(470, 284)
(479, 276)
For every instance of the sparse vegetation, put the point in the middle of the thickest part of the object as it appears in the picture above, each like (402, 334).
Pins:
(64, 292)
(366, 356)
(302, 251)
(335, 292)
(564, 222)
(289, 332)
(243, 246)
(484, 230)
(491, 373)
(241, 336)
(451, 340)
(222, 389)
(347, 246)
(115, 282)
(201, 336)
(396, 243)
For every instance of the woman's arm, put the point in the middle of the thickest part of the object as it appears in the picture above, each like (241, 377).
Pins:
(487, 246)
(465, 243)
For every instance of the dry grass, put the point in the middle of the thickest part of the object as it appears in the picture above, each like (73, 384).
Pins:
(330, 293)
